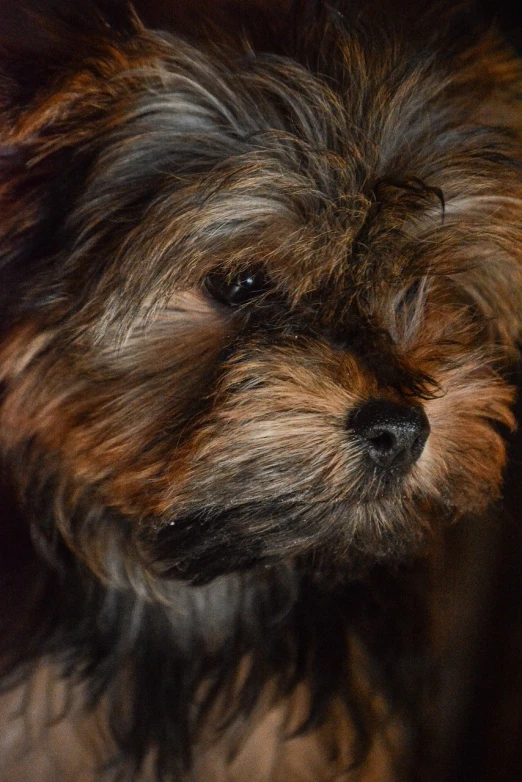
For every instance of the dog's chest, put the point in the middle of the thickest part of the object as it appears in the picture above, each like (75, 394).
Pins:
(48, 736)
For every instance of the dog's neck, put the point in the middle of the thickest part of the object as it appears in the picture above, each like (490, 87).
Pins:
(238, 641)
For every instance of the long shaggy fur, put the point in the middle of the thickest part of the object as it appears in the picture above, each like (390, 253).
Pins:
(221, 586)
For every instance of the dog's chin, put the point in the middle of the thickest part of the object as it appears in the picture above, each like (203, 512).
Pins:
(341, 544)
(320, 565)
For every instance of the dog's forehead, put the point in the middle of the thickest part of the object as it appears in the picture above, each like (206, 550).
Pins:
(301, 211)
(335, 192)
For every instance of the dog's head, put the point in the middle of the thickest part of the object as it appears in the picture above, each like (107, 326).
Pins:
(258, 306)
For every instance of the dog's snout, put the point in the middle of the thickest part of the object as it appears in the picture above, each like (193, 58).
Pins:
(393, 435)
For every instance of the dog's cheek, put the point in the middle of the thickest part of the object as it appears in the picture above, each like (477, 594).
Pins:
(278, 429)
(464, 457)
(102, 424)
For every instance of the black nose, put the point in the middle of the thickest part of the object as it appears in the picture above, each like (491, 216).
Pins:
(393, 435)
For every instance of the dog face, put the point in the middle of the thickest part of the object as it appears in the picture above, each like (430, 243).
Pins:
(263, 302)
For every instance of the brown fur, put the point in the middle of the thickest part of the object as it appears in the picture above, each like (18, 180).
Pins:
(164, 439)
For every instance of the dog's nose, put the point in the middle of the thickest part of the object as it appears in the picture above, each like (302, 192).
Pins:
(393, 435)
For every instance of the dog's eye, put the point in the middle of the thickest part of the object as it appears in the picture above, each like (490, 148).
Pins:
(238, 290)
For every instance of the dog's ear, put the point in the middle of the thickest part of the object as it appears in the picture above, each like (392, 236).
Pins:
(41, 41)
(57, 63)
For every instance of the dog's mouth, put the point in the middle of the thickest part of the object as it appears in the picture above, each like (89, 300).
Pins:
(202, 545)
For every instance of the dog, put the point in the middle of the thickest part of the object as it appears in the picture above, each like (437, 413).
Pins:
(261, 292)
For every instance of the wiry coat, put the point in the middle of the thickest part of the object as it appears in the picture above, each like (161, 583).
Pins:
(218, 584)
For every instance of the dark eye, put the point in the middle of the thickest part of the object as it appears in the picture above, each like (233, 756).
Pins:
(238, 290)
